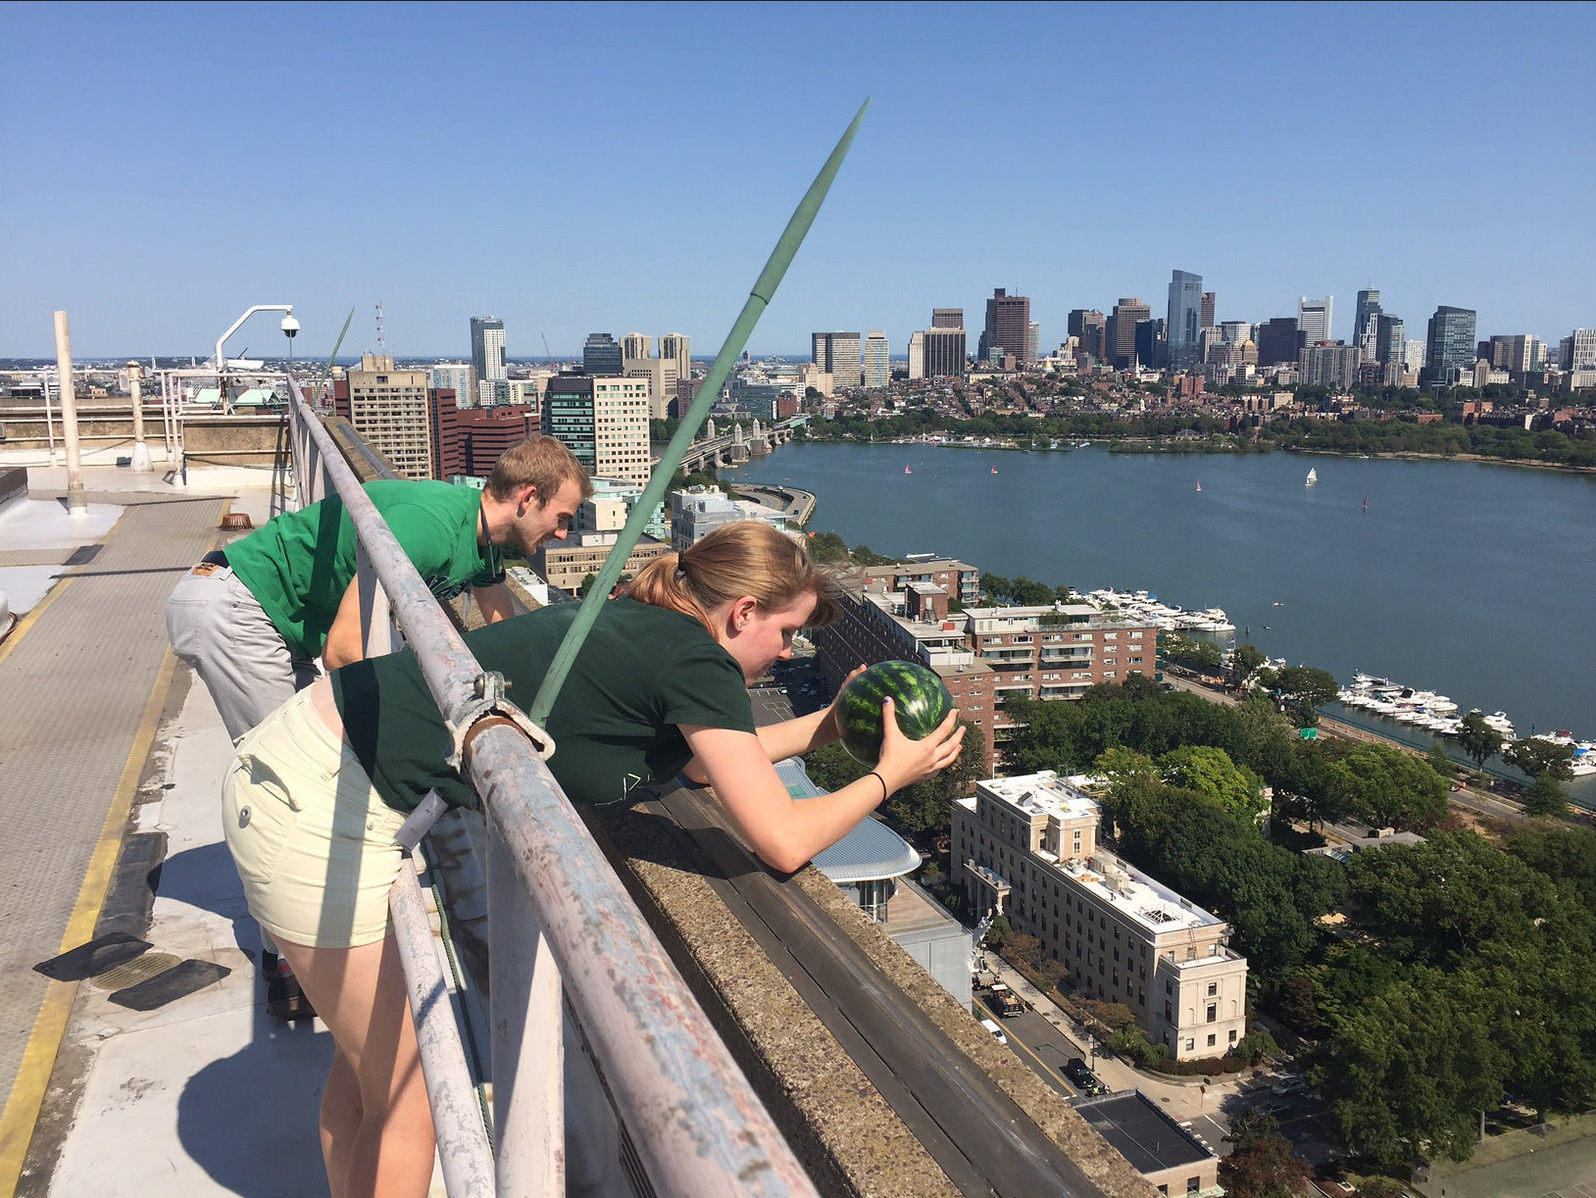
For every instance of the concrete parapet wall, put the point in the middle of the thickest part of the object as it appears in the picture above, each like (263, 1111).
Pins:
(842, 1128)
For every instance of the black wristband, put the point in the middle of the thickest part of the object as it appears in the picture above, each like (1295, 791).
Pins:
(884, 791)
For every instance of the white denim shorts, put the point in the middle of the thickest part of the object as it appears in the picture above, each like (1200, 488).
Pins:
(312, 840)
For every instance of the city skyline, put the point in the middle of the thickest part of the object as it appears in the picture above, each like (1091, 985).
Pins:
(154, 219)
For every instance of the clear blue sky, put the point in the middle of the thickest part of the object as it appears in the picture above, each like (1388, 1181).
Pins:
(628, 167)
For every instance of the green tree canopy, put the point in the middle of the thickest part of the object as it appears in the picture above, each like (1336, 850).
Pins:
(1211, 773)
(1386, 787)
(1478, 740)
(1539, 757)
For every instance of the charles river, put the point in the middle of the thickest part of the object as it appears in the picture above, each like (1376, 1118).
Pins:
(1469, 579)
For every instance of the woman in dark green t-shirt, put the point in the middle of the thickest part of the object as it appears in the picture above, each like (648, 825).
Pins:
(319, 789)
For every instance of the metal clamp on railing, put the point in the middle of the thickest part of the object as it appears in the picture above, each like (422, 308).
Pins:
(488, 702)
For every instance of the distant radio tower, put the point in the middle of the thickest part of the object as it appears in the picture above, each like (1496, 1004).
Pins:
(382, 344)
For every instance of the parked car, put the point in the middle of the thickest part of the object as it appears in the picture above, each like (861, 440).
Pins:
(1273, 1106)
(1292, 1085)
(1082, 1078)
(996, 1031)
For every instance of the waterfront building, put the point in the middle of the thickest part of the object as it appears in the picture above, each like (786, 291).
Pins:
(814, 378)
(876, 356)
(388, 407)
(637, 345)
(459, 377)
(1450, 347)
(1315, 319)
(1008, 327)
(1027, 847)
(487, 348)
(917, 355)
(1056, 652)
(1184, 324)
(601, 354)
(699, 511)
(947, 318)
(1278, 341)
(603, 421)
(1329, 365)
(1120, 347)
(841, 355)
(944, 353)
(961, 581)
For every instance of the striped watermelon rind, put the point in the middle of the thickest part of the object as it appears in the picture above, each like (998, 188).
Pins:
(922, 700)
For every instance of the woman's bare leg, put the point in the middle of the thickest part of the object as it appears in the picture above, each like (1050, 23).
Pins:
(383, 1148)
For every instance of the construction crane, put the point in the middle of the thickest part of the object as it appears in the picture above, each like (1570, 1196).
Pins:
(553, 365)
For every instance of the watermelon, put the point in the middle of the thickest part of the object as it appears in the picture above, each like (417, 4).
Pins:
(923, 702)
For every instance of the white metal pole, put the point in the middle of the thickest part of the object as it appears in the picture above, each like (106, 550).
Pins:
(141, 452)
(77, 498)
(49, 420)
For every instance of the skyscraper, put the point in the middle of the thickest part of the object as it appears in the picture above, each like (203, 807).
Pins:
(458, 377)
(1209, 301)
(1365, 322)
(388, 407)
(947, 318)
(1389, 345)
(1314, 319)
(876, 354)
(917, 355)
(1152, 347)
(677, 346)
(1185, 318)
(944, 352)
(1278, 342)
(601, 354)
(1121, 346)
(487, 347)
(839, 355)
(1087, 326)
(603, 421)
(637, 345)
(1008, 326)
(1449, 348)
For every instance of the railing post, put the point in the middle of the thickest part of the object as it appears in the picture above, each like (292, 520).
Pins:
(528, 1053)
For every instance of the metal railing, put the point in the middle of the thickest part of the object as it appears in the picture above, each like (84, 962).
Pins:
(561, 923)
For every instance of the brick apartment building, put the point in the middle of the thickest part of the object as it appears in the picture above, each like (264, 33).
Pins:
(1057, 652)
(910, 625)
(1026, 847)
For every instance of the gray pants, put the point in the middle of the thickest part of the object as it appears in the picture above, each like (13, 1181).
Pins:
(219, 629)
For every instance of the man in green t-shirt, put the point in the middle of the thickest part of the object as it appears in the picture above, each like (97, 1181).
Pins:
(251, 621)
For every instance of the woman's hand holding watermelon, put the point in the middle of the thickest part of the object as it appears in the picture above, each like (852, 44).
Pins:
(904, 761)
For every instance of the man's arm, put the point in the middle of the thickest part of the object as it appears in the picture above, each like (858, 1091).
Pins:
(495, 601)
(344, 641)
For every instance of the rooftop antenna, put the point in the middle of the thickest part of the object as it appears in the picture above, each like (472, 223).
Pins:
(382, 344)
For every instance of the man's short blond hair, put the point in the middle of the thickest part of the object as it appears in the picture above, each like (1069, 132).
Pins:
(546, 463)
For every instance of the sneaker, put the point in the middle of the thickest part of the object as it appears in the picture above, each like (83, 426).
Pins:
(284, 998)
